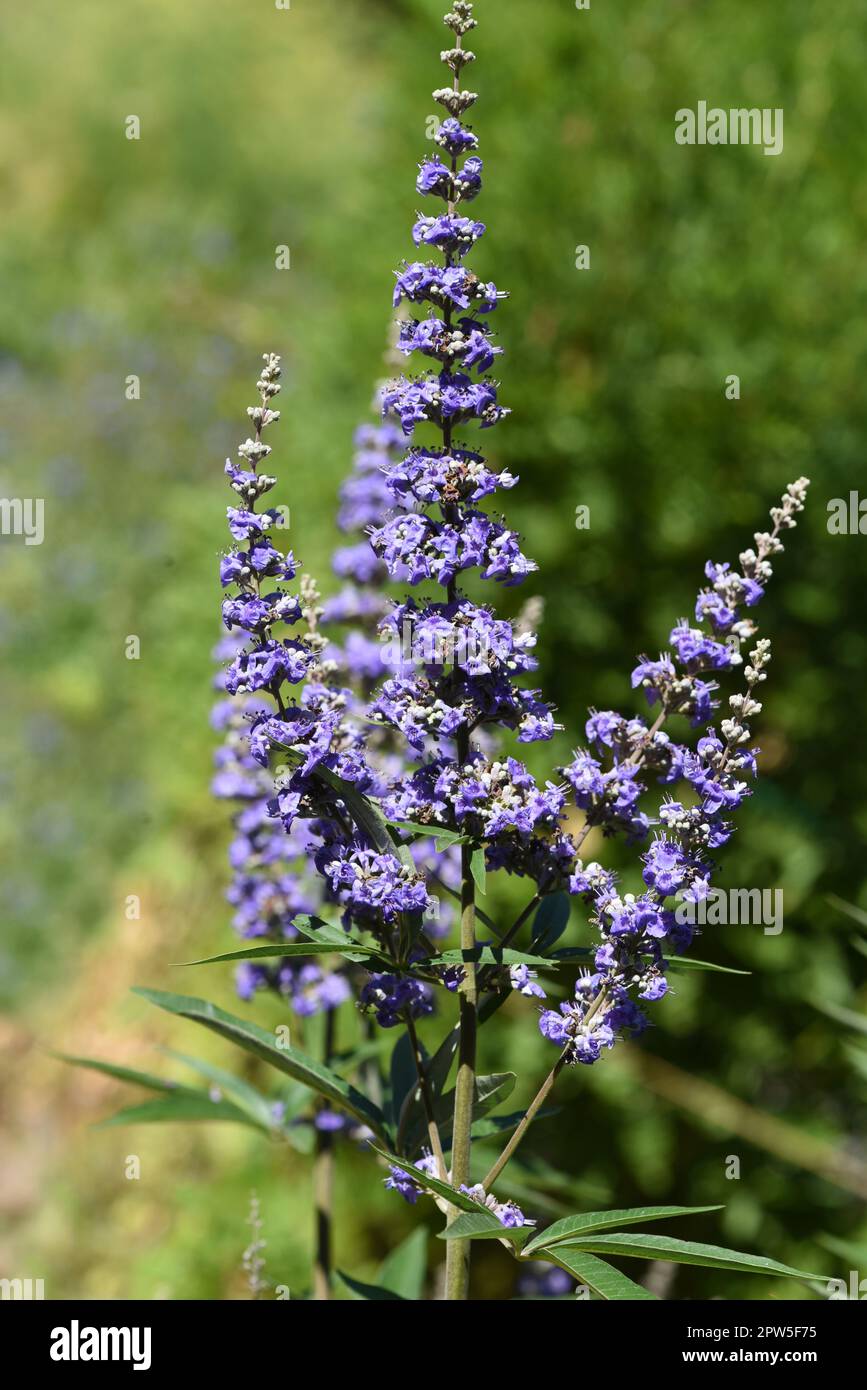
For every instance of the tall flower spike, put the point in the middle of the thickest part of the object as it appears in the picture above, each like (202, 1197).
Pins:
(638, 932)
(374, 888)
(464, 659)
(271, 883)
(264, 662)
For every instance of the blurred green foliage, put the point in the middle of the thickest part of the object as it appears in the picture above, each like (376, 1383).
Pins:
(262, 127)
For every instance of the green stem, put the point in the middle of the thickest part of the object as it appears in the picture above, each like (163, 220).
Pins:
(458, 1253)
(323, 1188)
(538, 1101)
(427, 1102)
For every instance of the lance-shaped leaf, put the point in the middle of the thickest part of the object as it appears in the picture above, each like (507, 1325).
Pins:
(487, 955)
(670, 963)
(851, 910)
(483, 1225)
(551, 920)
(858, 1057)
(572, 1227)
(235, 1088)
(366, 815)
(601, 1278)
(275, 950)
(403, 1271)
(687, 1252)
(136, 1078)
(438, 1068)
(444, 838)
(488, 1093)
(491, 1003)
(848, 1017)
(289, 1060)
(493, 1126)
(334, 938)
(403, 1078)
(176, 1102)
(196, 1105)
(425, 1180)
(412, 1118)
(478, 870)
(373, 1293)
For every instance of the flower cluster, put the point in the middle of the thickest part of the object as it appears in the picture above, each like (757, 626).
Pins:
(639, 931)
(390, 735)
(399, 1180)
(271, 884)
(508, 1214)
(263, 662)
(456, 683)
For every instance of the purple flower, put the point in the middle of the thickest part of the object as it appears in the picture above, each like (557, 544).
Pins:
(393, 997)
(399, 1180)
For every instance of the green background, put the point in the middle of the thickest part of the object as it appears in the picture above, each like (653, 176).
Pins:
(262, 127)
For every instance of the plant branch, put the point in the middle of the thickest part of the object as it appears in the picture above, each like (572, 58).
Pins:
(458, 1254)
(436, 1142)
(538, 1101)
(323, 1186)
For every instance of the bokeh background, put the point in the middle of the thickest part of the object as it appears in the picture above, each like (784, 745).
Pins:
(155, 257)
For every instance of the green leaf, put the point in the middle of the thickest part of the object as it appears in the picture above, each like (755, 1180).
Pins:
(489, 1092)
(189, 1106)
(403, 1271)
(670, 963)
(438, 1068)
(478, 871)
(275, 950)
(443, 837)
(242, 1094)
(848, 1017)
(136, 1078)
(486, 955)
(366, 815)
(691, 963)
(413, 1121)
(335, 938)
(491, 1003)
(588, 1221)
(354, 1057)
(645, 1247)
(371, 1292)
(856, 913)
(858, 1057)
(551, 920)
(483, 1225)
(495, 1125)
(856, 1255)
(252, 1038)
(403, 1076)
(442, 1189)
(601, 1278)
